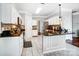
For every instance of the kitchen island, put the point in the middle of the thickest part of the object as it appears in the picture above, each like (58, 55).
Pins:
(55, 42)
(11, 46)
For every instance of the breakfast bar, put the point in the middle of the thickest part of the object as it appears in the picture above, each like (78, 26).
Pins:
(55, 42)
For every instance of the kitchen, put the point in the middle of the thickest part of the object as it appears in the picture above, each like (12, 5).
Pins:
(50, 24)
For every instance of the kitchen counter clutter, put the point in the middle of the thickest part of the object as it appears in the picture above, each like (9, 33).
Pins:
(11, 46)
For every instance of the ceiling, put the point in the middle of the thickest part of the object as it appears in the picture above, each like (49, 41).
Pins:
(47, 8)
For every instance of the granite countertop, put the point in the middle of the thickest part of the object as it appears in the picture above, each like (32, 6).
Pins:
(59, 34)
(8, 36)
(1, 36)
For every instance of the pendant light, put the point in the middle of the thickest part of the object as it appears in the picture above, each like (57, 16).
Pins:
(60, 18)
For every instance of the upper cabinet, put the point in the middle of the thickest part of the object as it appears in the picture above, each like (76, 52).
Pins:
(8, 13)
(5, 13)
(15, 14)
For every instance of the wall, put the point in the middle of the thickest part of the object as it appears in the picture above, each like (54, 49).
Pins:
(67, 21)
(28, 26)
(23, 18)
(0, 18)
(75, 24)
(42, 25)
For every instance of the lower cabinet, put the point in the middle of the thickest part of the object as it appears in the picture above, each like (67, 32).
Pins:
(11, 46)
(53, 43)
(2, 49)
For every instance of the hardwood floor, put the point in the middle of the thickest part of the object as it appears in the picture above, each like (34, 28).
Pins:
(36, 49)
(75, 41)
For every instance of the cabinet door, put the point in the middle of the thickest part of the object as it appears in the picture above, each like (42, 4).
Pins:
(68, 37)
(6, 13)
(2, 47)
(14, 16)
(21, 45)
(12, 46)
(46, 43)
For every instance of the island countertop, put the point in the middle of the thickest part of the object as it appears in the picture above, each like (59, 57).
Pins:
(11, 36)
(60, 34)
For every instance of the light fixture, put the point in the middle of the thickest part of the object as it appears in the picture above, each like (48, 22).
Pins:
(38, 10)
(60, 18)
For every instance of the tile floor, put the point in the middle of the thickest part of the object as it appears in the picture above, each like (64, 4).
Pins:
(36, 49)
(70, 51)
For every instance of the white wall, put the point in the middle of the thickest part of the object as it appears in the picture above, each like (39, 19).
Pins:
(28, 26)
(67, 19)
(75, 24)
(42, 25)
(0, 18)
(23, 18)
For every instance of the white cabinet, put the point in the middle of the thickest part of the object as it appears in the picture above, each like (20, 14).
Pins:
(14, 16)
(8, 13)
(2, 48)
(69, 36)
(11, 46)
(53, 43)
